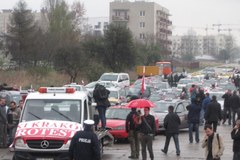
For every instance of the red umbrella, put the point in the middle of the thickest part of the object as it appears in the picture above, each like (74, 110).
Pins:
(140, 103)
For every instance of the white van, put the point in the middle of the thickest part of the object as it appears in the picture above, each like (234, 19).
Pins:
(121, 79)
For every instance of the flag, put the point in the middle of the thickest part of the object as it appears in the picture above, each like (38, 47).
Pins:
(143, 82)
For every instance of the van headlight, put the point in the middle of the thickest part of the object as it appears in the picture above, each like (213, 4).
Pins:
(19, 143)
(67, 145)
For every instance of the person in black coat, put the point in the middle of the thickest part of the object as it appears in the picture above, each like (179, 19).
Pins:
(235, 134)
(234, 102)
(171, 124)
(227, 110)
(194, 110)
(85, 144)
(213, 113)
(100, 95)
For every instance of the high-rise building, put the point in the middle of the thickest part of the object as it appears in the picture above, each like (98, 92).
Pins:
(147, 20)
(39, 17)
(94, 25)
(200, 45)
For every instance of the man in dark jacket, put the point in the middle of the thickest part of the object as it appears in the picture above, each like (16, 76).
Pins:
(147, 129)
(171, 124)
(213, 113)
(3, 123)
(85, 144)
(194, 110)
(133, 132)
(227, 110)
(235, 134)
(234, 105)
(100, 95)
(132, 128)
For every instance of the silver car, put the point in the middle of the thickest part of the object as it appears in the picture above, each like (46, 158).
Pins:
(161, 110)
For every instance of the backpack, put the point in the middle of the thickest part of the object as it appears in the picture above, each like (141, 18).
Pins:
(100, 92)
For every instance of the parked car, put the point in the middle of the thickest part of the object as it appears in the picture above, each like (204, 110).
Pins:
(117, 95)
(116, 119)
(121, 79)
(161, 110)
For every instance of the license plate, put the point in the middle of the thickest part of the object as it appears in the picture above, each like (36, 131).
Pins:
(44, 159)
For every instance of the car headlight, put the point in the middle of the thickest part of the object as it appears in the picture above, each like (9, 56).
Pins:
(67, 145)
(119, 128)
(19, 144)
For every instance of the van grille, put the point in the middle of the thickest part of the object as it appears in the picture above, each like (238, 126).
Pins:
(52, 144)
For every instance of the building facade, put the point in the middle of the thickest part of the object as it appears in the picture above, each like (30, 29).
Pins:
(146, 20)
(94, 25)
(200, 45)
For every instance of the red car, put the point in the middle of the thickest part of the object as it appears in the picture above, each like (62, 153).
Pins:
(116, 119)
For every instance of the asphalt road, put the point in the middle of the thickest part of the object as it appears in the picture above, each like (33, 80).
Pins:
(121, 150)
(192, 151)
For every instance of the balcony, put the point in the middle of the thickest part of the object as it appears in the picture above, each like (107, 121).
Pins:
(164, 20)
(120, 18)
(169, 32)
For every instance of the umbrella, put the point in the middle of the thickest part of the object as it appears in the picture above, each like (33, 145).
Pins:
(140, 103)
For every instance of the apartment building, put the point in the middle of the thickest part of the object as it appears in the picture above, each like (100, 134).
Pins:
(146, 20)
(200, 45)
(94, 25)
(40, 18)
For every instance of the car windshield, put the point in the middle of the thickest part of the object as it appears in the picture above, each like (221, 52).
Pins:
(109, 77)
(65, 110)
(117, 113)
(162, 107)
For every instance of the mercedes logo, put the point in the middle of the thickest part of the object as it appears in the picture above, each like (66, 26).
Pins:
(44, 144)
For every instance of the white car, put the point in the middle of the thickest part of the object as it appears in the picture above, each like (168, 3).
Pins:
(121, 79)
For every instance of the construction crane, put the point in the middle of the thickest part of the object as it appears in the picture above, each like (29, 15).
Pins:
(217, 25)
(206, 29)
(226, 29)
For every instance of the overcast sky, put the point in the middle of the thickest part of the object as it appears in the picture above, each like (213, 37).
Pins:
(185, 13)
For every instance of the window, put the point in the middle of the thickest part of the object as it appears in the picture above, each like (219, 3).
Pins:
(142, 24)
(142, 36)
(142, 13)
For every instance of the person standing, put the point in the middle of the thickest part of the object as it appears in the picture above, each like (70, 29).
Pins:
(171, 125)
(147, 130)
(213, 113)
(3, 123)
(13, 115)
(20, 104)
(234, 105)
(205, 103)
(85, 144)
(226, 107)
(132, 122)
(235, 134)
(213, 144)
(100, 95)
(194, 110)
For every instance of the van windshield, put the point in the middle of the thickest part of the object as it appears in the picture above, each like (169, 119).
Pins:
(109, 78)
(63, 110)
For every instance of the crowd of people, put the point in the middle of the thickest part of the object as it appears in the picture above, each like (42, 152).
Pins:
(203, 110)
(9, 119)
(141, 128)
